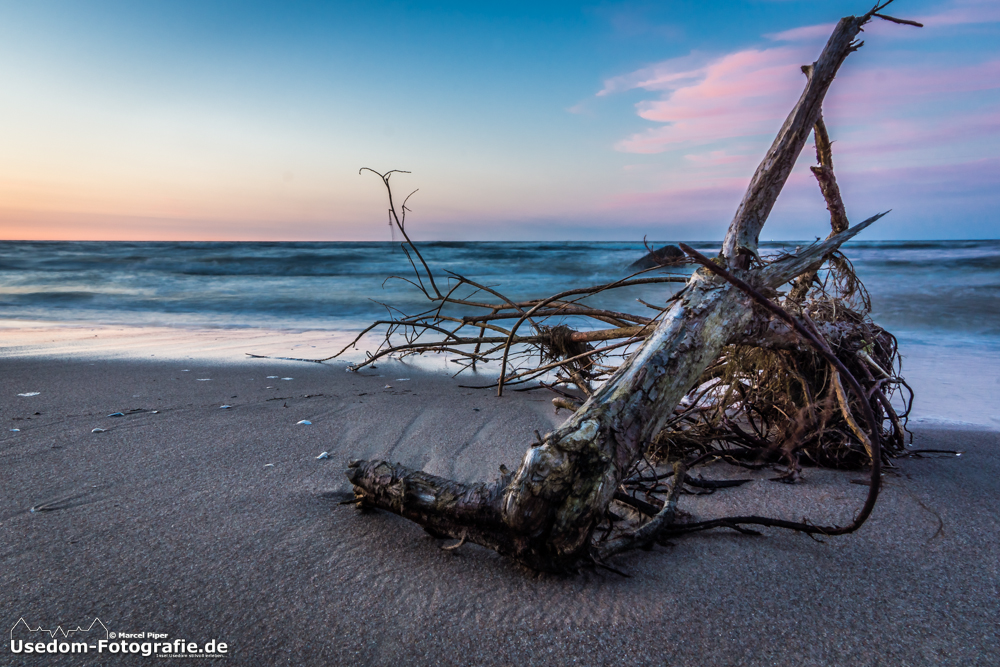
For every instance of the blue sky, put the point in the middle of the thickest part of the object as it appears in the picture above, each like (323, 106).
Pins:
(249, 121)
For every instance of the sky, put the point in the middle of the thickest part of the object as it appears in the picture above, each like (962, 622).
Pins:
(211, 120)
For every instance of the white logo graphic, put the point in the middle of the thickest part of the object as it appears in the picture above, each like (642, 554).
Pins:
(96, 638)
(78, 633)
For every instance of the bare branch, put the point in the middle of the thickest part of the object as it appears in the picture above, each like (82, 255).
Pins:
(899, 21)
(741, 241)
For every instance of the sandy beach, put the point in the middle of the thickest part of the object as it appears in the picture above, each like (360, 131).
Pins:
(187, 519)
(224, 226)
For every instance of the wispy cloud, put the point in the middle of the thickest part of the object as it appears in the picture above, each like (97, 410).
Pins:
(804, 34)
(736, 95)
(897, 122)
(959, 12)
(667, 75)
(964, 12)
(676, 206)
(704, 100)
(715, 158)
(921, 198)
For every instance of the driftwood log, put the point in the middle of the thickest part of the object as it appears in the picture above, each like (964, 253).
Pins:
(546, 513)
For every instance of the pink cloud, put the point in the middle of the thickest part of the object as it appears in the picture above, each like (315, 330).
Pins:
(737, 95)
(912, 135)
(715, 158)
(920, 198)
(748, 94)
(962, 195)
(805, 33)
(862, 91)
(895, 140)
(667, 75)
(964, 12)
(915, 116)
(682, 204)
(960, 12)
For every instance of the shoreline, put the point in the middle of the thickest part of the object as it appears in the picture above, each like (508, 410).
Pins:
(174, 522)
(956, 385)
(96, 340)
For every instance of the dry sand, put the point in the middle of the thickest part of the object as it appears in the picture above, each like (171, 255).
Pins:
(175, 523)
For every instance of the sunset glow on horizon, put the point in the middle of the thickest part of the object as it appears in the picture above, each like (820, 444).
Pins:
(233, 121)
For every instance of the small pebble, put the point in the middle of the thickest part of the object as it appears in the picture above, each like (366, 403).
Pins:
(287, 378)
(388, 386)
(305, 421)
(156, 412)
(268, 465)
(324, 455)
(17, 430)
(225, 407)
(98, 430)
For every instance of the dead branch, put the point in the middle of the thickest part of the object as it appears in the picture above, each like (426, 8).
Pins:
(716, 376)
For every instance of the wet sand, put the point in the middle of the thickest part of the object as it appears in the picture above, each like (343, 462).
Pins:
(207, 523)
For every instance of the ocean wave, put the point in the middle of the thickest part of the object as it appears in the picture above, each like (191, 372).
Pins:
(931, 286)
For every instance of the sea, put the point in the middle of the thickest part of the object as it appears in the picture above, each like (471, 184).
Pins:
(940, 298)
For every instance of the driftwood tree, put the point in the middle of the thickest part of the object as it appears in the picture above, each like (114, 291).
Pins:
(549, 513)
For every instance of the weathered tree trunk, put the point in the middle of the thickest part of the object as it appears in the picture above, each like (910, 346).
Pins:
(740, 244)
(545, 513)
